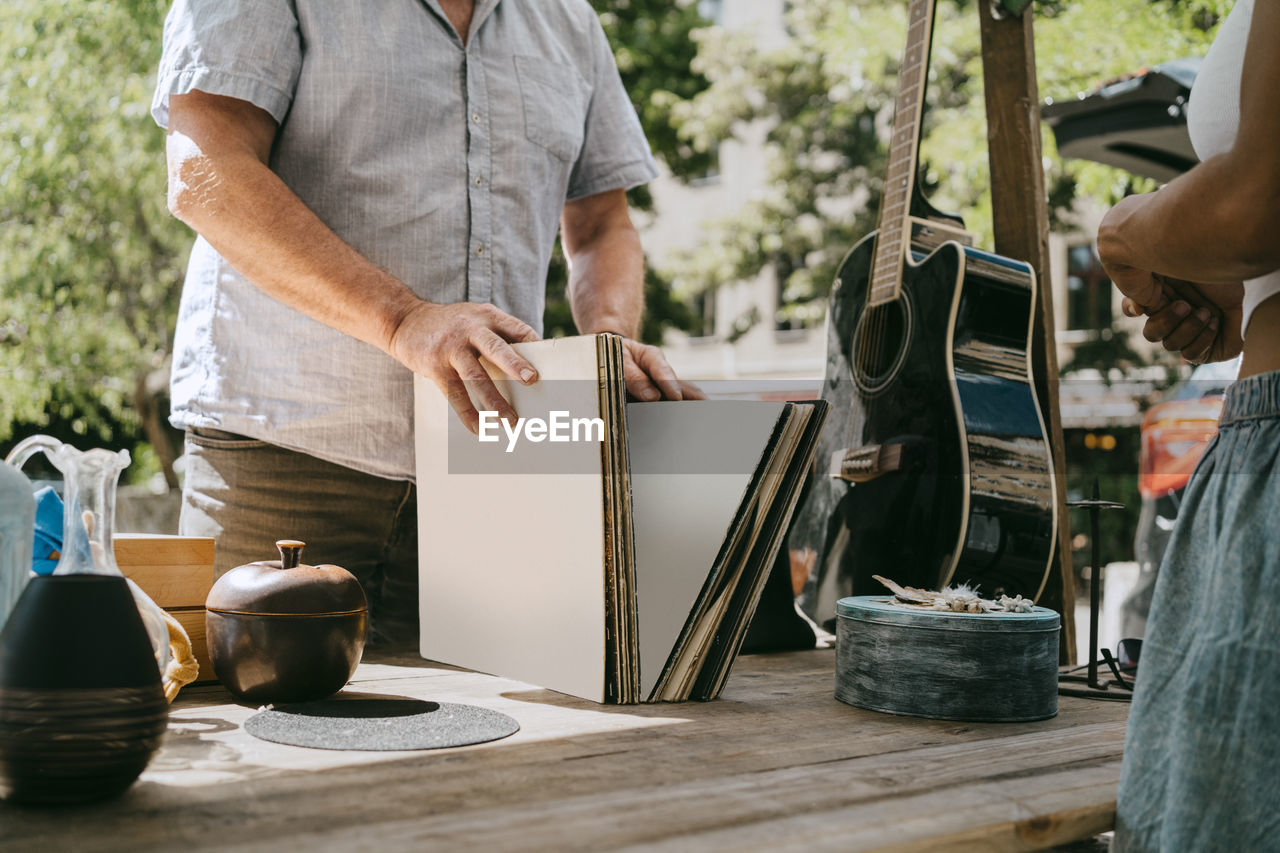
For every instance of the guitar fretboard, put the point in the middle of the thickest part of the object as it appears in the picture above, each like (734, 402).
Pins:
(894, 230)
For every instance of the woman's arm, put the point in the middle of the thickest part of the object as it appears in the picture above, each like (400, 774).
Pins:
(1220, 222)
(1179, 255)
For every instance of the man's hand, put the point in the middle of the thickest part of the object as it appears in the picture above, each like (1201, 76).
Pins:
(650, 378)
(606, 290)
(445, 343)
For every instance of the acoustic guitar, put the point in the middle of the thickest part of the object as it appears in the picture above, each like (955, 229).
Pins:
(934, 464)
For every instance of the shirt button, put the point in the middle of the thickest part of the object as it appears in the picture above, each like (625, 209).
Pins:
(479, 182)
(475, 117)
(480, 249)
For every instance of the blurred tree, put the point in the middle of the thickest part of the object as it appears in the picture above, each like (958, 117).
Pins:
(90, 260)
(826, 98)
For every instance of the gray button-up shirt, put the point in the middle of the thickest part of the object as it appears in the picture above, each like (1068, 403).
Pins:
(446, 164)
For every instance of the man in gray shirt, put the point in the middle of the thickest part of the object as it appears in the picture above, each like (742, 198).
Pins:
(377, 189)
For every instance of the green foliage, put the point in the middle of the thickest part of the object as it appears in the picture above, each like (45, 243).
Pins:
(825, 100)
(652, 45)
(90, 260)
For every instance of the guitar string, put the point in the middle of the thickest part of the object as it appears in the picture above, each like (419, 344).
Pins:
(890, 252)
(900, 243)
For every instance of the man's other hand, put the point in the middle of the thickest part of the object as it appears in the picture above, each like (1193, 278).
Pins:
(445, 343)
(649, 377)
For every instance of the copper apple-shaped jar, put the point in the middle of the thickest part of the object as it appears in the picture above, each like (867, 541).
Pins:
(281, 631)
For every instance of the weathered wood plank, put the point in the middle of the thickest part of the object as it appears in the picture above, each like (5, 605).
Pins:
(1042, 811)
(874, 798)
(775, 755)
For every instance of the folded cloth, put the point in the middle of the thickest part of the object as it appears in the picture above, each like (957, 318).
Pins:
(182, 668)
(48, 533)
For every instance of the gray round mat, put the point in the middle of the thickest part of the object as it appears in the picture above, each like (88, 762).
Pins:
(379, 724)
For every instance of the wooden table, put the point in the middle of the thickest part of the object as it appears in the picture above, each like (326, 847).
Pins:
(776, 763)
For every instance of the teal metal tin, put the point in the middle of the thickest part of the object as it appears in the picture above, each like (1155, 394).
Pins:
(977, 667)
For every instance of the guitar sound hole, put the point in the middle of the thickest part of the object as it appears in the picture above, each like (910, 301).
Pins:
(881, 344)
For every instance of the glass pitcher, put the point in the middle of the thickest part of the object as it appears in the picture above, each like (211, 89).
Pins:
(90, 478)
(17, 520)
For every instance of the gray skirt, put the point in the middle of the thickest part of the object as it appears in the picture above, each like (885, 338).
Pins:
(1202, 750)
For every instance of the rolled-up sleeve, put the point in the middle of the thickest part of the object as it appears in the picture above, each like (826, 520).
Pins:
(247, 49)
(615, 153)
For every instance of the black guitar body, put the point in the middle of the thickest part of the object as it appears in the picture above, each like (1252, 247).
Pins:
(940, 376)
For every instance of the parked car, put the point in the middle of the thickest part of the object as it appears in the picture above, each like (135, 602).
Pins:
(1175, 434)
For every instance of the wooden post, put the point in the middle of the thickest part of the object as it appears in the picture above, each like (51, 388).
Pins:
(1020, 219)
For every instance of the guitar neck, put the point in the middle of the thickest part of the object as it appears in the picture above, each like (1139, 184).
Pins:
(895, 205)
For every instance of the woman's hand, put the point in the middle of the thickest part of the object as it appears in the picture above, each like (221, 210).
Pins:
(1198, 320)
(1201, 321)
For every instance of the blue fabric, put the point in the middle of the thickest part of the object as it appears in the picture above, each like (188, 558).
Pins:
(1202, 751)
(48, 538)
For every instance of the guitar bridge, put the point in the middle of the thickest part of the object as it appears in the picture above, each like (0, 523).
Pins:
(863, 464)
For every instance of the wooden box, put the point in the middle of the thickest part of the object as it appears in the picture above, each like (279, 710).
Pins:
(177, 572)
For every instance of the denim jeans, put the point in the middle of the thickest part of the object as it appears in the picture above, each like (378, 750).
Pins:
(246, 494)
(1202, 750)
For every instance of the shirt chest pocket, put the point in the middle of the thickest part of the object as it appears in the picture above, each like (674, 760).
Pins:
(555, 105)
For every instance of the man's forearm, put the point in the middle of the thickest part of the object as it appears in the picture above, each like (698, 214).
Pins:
(266, 232)
(606, 265)
(606, 289)
(606, 286)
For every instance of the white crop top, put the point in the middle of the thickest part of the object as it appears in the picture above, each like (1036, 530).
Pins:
(1213, 116)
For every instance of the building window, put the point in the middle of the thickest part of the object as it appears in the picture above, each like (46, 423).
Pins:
(704, 310)
(782, 270)
(793, 312)
(710, 175)
(1088, 290)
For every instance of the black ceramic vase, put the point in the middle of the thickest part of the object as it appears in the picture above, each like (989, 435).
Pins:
(81, 706)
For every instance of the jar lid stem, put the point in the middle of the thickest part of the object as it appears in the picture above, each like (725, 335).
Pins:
(290, 552)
